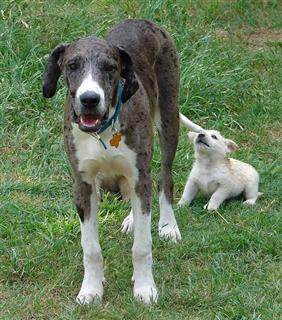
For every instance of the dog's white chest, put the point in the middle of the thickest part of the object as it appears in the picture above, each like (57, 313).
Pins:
(206, 181)
(207, 184)
(93, 158)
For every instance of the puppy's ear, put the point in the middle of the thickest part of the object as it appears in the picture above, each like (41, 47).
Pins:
(131, 84)
(231, 145)
(191, 135)
(53, 71)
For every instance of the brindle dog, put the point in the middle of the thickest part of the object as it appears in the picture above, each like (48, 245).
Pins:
(141, 56)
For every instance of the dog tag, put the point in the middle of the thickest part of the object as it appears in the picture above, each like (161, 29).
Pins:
(114, 142)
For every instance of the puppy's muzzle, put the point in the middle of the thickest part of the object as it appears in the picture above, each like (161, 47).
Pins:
(201, 139)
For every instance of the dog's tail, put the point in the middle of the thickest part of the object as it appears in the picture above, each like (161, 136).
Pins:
(185, 122)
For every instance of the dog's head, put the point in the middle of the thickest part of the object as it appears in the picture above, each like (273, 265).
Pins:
(211, 143)
(91, 68)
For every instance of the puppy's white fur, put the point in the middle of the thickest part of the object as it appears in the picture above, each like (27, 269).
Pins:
(187, 123)
(215, 174)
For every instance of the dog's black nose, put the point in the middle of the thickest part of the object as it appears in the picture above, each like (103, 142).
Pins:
(90, 99)
(201, 135)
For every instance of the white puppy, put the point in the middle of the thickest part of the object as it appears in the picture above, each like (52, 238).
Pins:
(217, 175)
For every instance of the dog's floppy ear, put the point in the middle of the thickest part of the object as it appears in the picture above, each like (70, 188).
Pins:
(231, 145)
(131, 84)
(53, 71)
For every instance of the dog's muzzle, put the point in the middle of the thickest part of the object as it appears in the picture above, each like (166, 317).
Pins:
(201, 139)
(89, 122)
(90, 99)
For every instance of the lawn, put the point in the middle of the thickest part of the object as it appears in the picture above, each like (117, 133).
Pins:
(228, 265)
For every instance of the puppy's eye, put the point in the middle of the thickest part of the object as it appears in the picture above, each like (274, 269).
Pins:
(73, 66)
(109, 67)
(214, 137)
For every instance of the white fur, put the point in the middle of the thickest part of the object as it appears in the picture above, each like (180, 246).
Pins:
(217, 175)
(167, 224)
(127, 224)
(168, 228)
(92, 285)
(89, 84)
(144, 285)
(93, 159)
(185, 122)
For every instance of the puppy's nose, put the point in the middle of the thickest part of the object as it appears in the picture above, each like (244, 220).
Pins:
(201, 135)
(90, 99)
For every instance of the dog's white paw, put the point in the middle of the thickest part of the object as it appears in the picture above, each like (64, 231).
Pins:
(91, 296)
(206, 206)
(182, 202)
(210, 207)
(169, 231)
(146, 294)
(127, 224)
(250, 202)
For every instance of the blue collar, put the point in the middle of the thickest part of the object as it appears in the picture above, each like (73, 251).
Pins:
(112, 119)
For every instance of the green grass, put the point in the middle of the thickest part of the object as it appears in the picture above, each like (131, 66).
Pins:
(224, 268)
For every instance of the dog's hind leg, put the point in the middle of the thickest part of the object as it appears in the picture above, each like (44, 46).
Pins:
(127, 224)
(251, 192)
(167, 72)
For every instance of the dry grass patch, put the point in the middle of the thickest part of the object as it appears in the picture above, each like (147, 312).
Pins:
(275, 133)
(260, 38)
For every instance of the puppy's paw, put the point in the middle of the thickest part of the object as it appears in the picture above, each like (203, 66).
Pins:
(210, 207)
(182, 202)
(146, 294)
(250, 202)
(169, 231)
(127, 225)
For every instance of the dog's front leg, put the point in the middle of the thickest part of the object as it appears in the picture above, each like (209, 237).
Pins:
(189, 193)
(87, 205)
(144, 285)
(217, 198)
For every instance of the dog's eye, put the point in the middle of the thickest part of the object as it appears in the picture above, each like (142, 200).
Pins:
(214, 137)
(109, 67)
(73, 66)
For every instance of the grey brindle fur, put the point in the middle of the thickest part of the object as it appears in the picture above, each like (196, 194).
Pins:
(144, 57)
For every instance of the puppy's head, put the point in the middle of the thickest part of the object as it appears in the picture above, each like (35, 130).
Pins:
(91, 68)
(211, 143)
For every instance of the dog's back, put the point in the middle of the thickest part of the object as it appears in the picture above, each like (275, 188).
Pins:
(153, 50)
